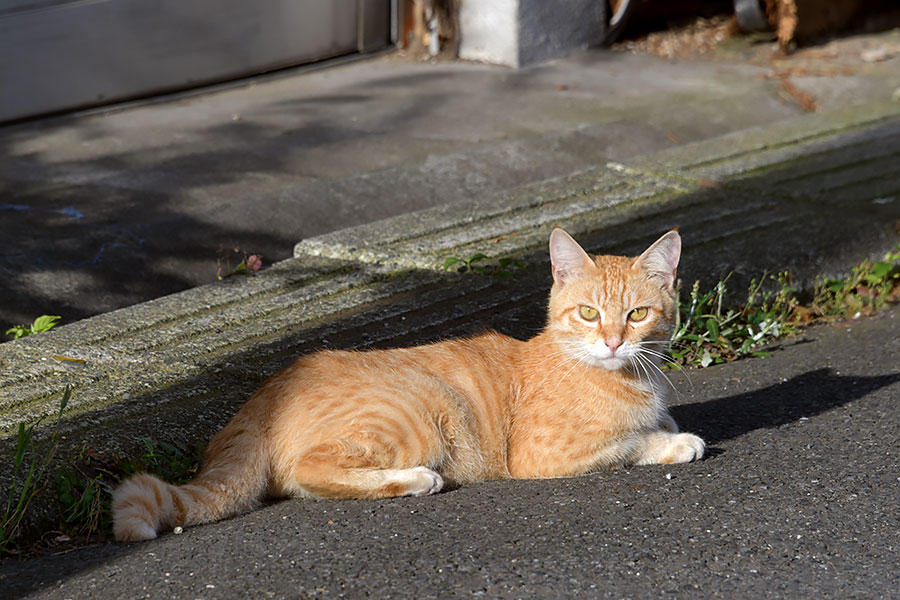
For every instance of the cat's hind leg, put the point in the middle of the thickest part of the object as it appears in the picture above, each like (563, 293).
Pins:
(330, 474)
(370, 482)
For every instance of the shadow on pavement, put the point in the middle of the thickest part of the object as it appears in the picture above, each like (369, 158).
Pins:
(803, 396)
(20, 579)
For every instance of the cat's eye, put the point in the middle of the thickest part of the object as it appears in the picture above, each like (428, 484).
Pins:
(638, 314)
(588, 313)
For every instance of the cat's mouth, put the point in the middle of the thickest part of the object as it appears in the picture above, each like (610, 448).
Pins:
(611, 363)
(604, 358)
(600, 356)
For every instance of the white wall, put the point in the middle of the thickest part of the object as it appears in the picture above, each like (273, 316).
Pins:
(519, 32)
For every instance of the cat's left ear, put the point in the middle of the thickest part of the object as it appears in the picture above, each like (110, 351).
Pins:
(661, 259)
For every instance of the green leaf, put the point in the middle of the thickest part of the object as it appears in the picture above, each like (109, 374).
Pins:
(22, 440)
(451, 261)
(881, 269)
(167, 447)
(475, 258)
(760, 354)
(241, 269)
(44, 323)
(835, 285)
(64, 401)
(713, 328)
(19, 331)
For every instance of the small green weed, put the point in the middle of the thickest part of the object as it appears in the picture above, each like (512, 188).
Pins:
(29, 477)
(869, 288)
(84, 502)
(248, 265)
(40, 325)
(85, 488)
(172, 463)
(505, 268)
(707, 332)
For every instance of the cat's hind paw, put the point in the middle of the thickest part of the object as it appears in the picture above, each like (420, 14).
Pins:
(424, 482)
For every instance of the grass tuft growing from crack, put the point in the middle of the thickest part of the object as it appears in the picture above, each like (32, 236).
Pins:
(708, 332)
(85, 487)
(869, 288)
(29, 478)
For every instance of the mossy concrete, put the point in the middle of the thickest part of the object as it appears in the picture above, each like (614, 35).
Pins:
(177, 367)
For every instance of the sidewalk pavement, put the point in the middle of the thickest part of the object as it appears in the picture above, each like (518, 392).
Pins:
(794, 499)
(495, 160)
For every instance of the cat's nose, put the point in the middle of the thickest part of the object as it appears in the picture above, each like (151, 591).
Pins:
(613, 343)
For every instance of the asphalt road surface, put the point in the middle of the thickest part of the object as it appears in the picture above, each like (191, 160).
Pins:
(796, 498)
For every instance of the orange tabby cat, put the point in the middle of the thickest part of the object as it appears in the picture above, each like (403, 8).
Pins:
(582, 395)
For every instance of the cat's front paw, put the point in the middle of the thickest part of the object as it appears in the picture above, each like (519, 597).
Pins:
(683, 447)
(664, 448)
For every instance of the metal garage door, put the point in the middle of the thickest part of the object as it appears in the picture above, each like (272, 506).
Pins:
(64, 54)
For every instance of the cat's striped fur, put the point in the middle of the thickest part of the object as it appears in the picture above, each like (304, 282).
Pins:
(580, 396)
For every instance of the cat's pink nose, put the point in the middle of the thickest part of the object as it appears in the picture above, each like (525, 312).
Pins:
(613, 343)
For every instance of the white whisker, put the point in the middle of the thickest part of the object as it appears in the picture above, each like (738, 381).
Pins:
(650, 364)
(667, 359)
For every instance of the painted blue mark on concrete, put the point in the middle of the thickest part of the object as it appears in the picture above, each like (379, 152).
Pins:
(68, 211)
(71, 211)
(135, 241)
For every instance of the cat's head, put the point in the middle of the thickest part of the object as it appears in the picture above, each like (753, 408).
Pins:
(609, 311)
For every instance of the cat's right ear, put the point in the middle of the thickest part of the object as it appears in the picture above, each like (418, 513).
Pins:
(567, 257)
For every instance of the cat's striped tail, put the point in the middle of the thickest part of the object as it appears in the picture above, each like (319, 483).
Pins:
(233, 480)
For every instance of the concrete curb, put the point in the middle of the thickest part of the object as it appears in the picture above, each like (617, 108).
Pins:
(177, 367)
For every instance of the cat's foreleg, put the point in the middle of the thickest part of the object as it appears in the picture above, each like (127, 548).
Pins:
(667, 423)
(664, 447)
